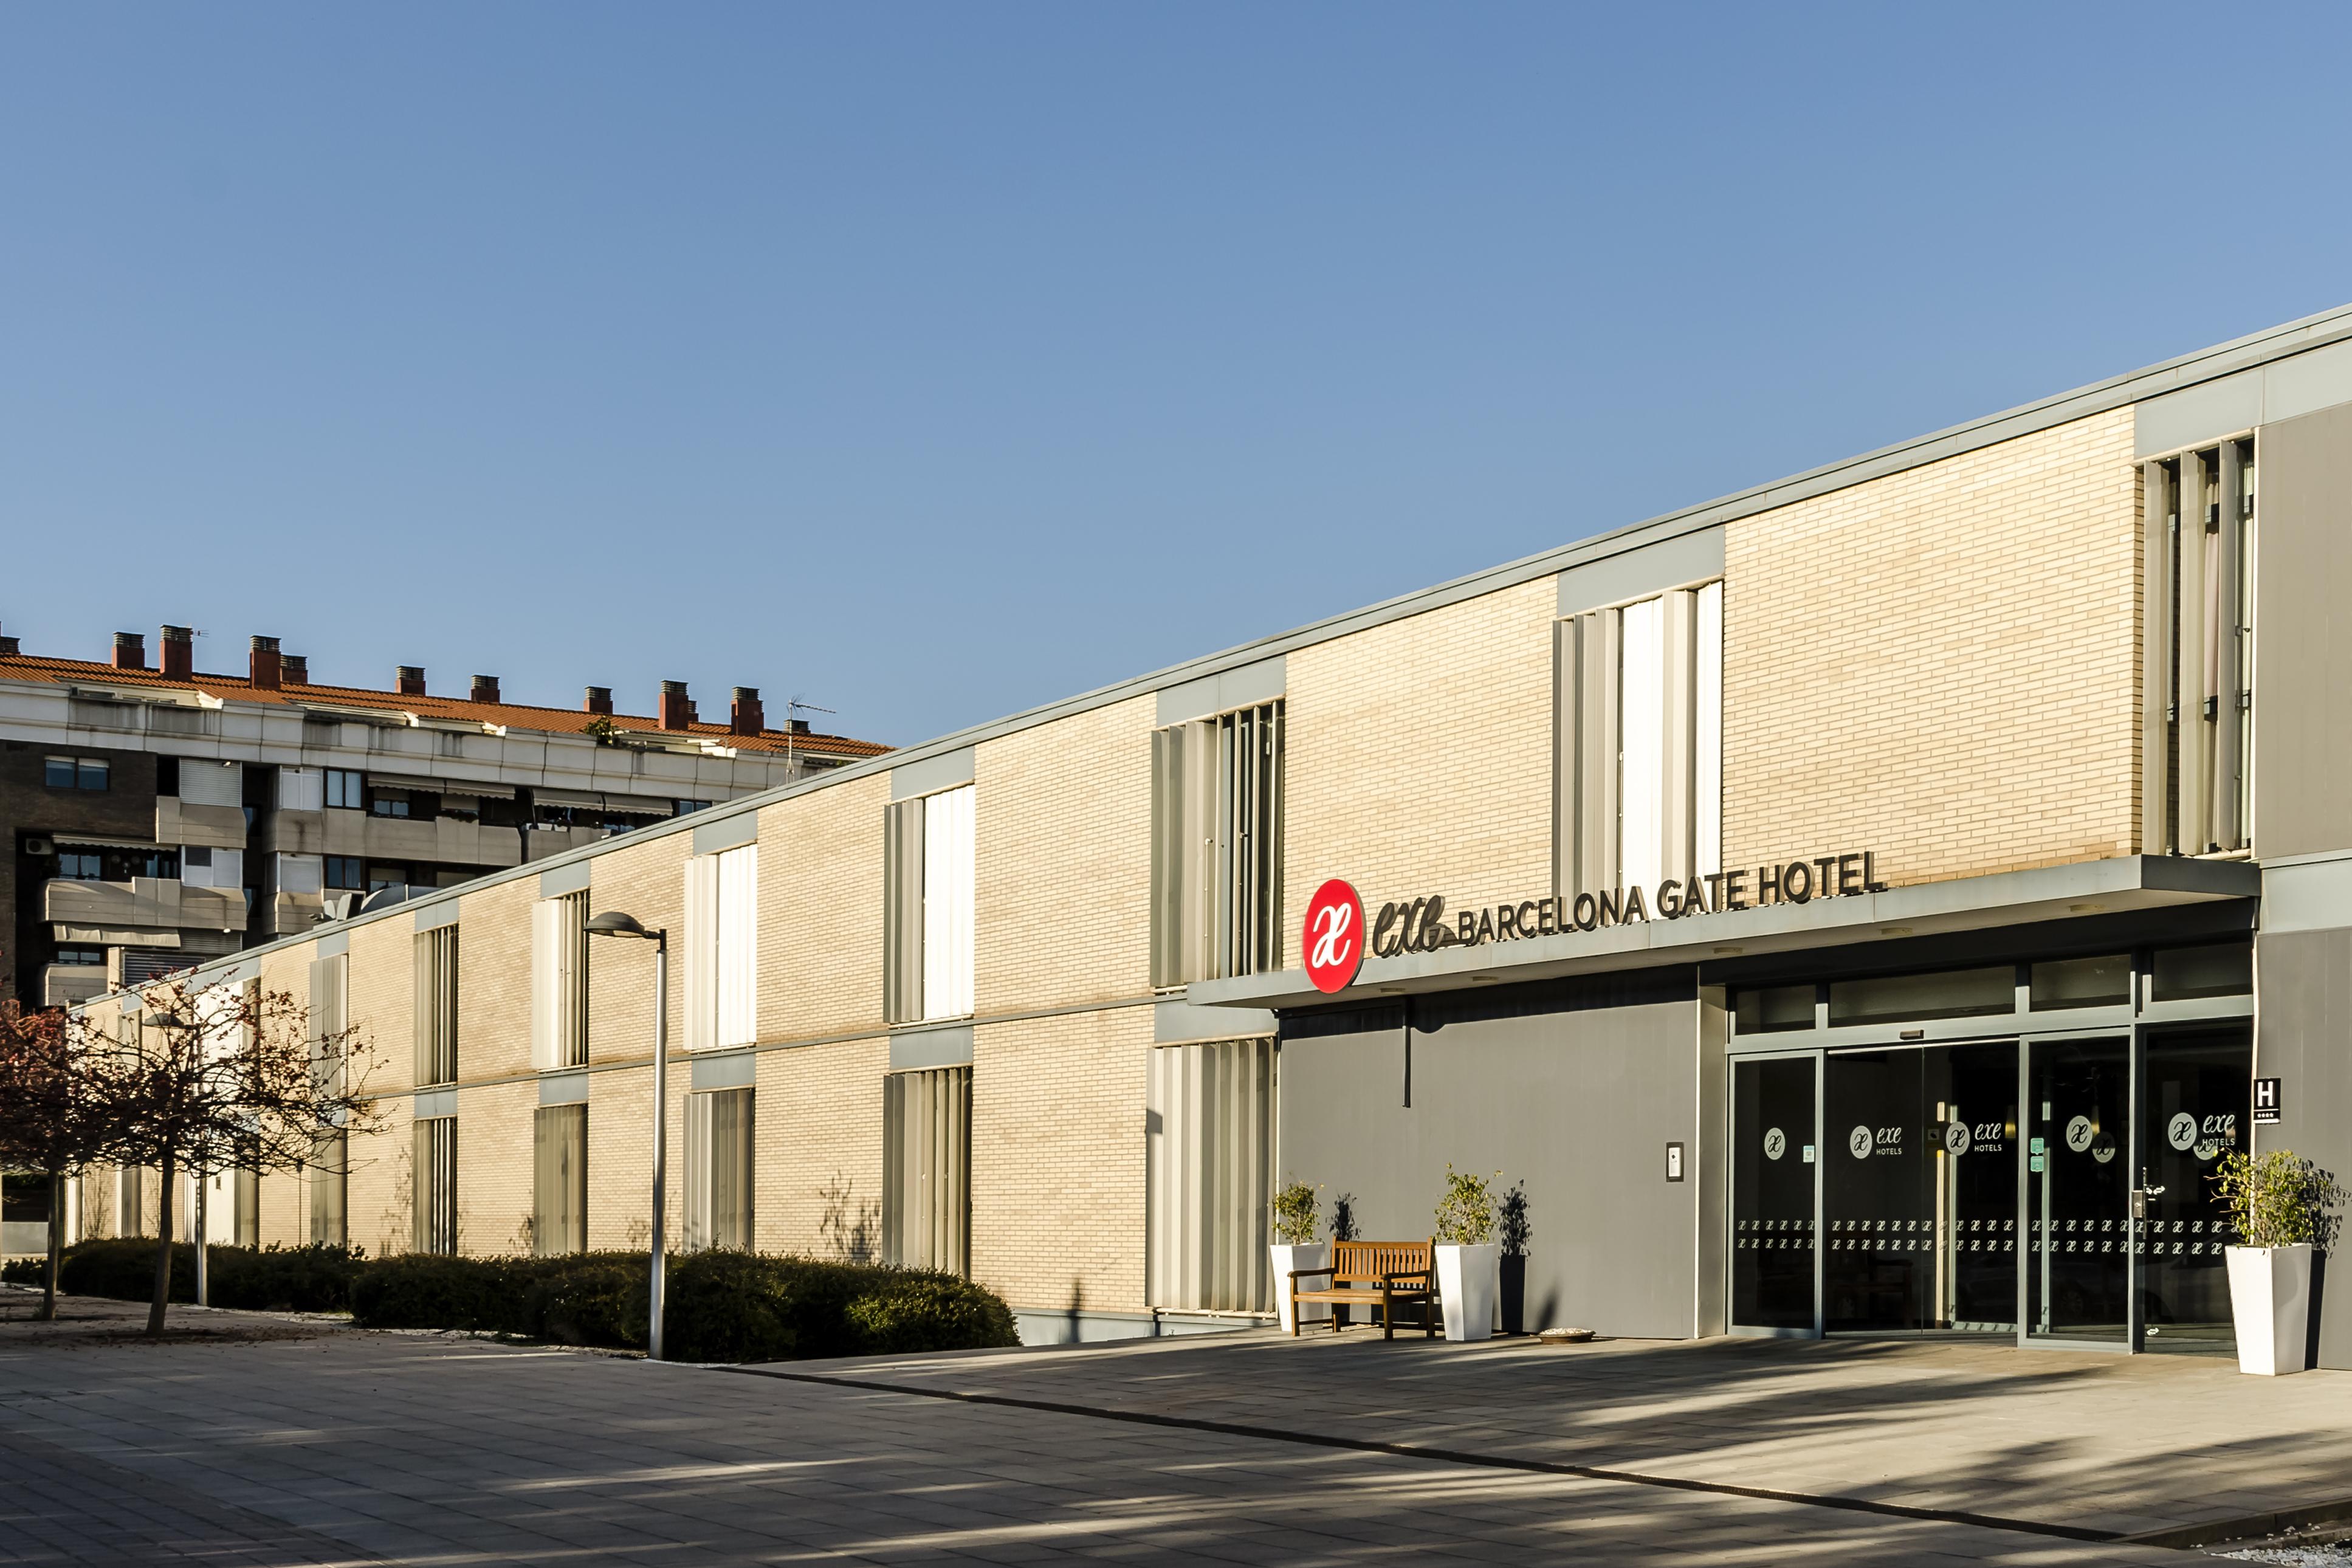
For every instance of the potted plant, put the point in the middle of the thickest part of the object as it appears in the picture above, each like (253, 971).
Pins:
(1294, 1246)
(1468, 1277)
(1513, 1230)
(2282, 1207)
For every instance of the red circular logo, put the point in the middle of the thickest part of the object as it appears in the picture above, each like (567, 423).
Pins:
(1333, 939)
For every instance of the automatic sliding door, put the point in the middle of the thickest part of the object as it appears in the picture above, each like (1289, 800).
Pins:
(2196, 1095)
(2078, 1190)
(1772, 1170)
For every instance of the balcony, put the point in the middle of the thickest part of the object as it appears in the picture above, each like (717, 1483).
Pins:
(204, 826)
(63, 984)
(437, 840)
(539, 842)
(144, 903)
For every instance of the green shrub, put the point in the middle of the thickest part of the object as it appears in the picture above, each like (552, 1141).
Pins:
(598, 1299)
(419, 1291)
(931, 1312)
(738, 1306)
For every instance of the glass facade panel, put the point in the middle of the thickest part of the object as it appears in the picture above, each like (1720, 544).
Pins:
(1774, 1008)
(2063, 983)
(1772, 1169)
(2078, 1189)
(2183, 973)
(2197, 1098)
(1899, 998)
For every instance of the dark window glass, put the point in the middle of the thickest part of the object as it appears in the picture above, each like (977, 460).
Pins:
(58, 772)
(1774, 1008)
(2182, 972)
(343, 871)
(90, 773)
(167, 775)
(1898, 998)
(2082, 983)
(79, 866)
(345, 789)
(87, 957)
(683, 806)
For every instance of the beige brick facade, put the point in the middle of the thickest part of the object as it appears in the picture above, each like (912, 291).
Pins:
(819, 1129)
(1940, 666)
(1420, 756)
(820, 869)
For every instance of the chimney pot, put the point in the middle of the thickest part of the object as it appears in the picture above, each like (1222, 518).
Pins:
(486, 689)
(179, 662)
(677, 707)
(598, 700)
(9, 649)
(294, 667)
(130, 652)
(268, 668)
(800, 726)
(408, 679)
(744, 715)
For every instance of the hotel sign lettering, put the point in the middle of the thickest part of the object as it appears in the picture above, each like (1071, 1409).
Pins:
(1424, 924)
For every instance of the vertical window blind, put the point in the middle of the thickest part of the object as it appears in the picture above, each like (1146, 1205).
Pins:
(927, 1169)
(128, 1218)
(718, 1169)
(1638, 727)
(560, 1180)
(559, 981)
(1216, 846)
(246, 1184)
(929, 900)
(722, 949)
(328, 1172)
(436, 1005)
(436, 1185)
(330, 1177)
(1210, 1172)
(2198, 696)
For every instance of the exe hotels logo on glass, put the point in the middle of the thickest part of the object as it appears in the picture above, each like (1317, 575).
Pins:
(1421, 925)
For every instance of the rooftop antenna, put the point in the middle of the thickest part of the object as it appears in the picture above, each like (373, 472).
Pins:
(792, 710)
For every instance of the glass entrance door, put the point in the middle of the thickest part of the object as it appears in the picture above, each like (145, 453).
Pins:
(1773, 1164)
(2196, 1106)
(2078, 1180)
(1919, 1190)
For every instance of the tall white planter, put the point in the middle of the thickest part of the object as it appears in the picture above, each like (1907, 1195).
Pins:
(1303, 1255)
(2270, 1296)
(1469, 1288)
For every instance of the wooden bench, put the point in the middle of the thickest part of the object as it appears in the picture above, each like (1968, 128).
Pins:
(1383, 1274)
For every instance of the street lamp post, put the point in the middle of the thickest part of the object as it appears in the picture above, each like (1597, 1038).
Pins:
(613, 922)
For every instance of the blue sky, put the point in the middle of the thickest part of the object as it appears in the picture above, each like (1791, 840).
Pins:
(937, 361)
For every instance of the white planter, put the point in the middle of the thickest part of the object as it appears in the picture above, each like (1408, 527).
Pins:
(1469, 1288)
(2270, 1296)
(1305, 1254)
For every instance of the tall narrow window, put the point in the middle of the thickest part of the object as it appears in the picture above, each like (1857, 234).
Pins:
(330, 1175)
(723, 948)
(559, 981)
(128, 1217)
(929, 896)
(718, 1169)
(437, 1006)
(2198, 693)
(927, 1169)
(1209, 1169)
(247, 1187)
(1638, 717)
(560, 1180)
(436, 1185)
(1216, 846)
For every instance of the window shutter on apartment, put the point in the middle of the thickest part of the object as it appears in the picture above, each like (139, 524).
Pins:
(736, 950)
(948, 902)
(699, 953)
(211, 784)
(903, 830)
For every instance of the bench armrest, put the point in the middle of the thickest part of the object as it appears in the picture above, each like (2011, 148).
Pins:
(1308, 1273)
(1405, 1274)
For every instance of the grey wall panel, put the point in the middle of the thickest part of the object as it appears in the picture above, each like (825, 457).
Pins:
(2313, 896)
(1579, 1105)
(726, 833)
(562, 880)
(444, 913)
(333, 943)
(2285, 389)
(1244, 687)
(1637, 574)
(1182, 1024)
(2303, 640)
(563, 1088)
(2303, 1038)
(431, 1102)
(949, 770)
(914, 1049)
(736, 1069)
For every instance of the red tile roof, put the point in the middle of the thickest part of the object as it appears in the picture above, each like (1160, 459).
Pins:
(515, 715)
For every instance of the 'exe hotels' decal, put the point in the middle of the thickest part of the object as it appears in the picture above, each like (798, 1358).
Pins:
(1421, 925)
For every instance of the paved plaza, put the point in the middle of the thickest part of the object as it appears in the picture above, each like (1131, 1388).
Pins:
(308, 1444)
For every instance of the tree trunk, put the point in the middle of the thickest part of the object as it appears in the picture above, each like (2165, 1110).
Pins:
(48, 1311)
(162, 1251)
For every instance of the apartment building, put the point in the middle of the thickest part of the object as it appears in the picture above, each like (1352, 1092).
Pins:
(1870, 903)
(157, 816)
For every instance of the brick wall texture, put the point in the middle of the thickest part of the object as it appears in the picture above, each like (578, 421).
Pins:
(1941, 665)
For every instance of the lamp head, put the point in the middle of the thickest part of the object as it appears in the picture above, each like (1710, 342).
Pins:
(613, 922)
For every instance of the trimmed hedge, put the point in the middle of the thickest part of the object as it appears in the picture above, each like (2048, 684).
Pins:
(722, 1306)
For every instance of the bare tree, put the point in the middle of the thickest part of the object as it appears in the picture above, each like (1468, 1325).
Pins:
(50, 1120)
(211, 1077)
